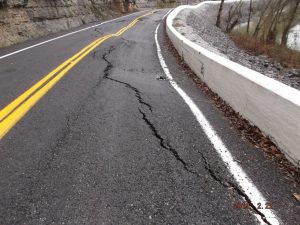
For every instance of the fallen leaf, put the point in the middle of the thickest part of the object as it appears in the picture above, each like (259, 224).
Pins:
(297, 196)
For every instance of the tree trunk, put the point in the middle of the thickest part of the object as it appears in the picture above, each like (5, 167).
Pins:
(249, 16)
(261, 18)
(219, 14)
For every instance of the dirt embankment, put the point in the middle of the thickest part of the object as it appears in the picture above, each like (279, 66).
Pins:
(21, 20)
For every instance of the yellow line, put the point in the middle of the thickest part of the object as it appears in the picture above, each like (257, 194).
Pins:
(4, 112)
(14, 111)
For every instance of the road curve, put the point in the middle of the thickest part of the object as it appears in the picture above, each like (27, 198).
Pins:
(112, 141)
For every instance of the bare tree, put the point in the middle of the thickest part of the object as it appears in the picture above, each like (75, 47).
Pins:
(275, 14)
(218, 23)
(274, 19)
(270, 17)
(264, 6)
(249, 16)
(234, 15)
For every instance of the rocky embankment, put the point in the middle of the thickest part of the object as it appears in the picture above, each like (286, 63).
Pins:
(199, 26)
(21, 20)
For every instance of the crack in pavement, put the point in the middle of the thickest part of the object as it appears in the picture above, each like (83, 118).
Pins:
(248, 200)
(155, 133)
(61, 140)
(98, 30)
(212, 172)
(229, 184)
(109, 64)
(107, 73)
(165, 145)
(136, 91)
(225, 183)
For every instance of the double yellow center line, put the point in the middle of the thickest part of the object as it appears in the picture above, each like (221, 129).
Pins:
(15, 110)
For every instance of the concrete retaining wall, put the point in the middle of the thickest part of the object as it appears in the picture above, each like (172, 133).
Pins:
(270, 105)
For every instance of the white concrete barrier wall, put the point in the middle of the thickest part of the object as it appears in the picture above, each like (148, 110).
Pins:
(270, 105)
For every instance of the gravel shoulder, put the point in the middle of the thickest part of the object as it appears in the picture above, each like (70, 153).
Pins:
(198, 26)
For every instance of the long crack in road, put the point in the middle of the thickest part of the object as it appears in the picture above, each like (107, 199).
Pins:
(115, 138)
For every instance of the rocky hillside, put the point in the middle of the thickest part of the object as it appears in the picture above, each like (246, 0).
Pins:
(21, 20)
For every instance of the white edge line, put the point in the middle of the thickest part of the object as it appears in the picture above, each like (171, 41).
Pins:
(65, 35)
(234, 168)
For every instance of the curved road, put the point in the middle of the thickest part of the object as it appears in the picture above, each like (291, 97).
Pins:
(112, 141)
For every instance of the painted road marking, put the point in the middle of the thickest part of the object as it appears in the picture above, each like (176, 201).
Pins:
(9, 108)
(65, 35)
(234, 168)
(15, 110)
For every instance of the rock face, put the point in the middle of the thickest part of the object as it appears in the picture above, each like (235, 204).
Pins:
(157, 3)
(21, 20)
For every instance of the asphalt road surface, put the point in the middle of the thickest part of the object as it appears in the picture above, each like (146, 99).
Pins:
(112, 141)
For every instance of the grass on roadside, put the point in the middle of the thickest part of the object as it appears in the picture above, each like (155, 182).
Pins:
(288, 58)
